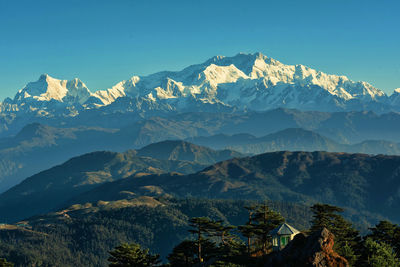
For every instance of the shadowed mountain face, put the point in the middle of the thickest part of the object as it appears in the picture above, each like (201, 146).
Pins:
(342, 127)
(358, 181)
(51, 188)
(181, 150)
(293, 139)
(38, 147)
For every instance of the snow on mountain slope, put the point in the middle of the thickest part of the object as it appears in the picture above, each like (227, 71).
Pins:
(242, 82)
(395, 98)
(48, 89)
(249, 81)
(48, 94)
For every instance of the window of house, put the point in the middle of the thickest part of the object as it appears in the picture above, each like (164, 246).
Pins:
(284, 240)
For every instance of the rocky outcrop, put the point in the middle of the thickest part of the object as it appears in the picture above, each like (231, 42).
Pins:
(314, 250)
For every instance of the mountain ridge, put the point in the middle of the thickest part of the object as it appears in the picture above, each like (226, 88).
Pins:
(49, 188)
(343, 179)
(231, 84)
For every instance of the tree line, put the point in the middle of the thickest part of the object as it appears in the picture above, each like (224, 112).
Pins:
(210, 241)
(217, 244)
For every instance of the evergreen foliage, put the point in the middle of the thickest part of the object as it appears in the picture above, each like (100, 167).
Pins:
(5, 263)
(378, 254)
(388, 233)
(347, 238)
(180, 228)
(132, 255)
(261, 221)
(85, 235)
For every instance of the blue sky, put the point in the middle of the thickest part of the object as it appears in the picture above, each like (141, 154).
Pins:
(104, 42)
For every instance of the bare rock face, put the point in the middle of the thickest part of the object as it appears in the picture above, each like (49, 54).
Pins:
(314, 250)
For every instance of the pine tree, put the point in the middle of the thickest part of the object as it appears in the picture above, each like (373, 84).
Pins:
(378, 254)
(261, 221)
(5, 263)
(128, 255)
(186, 253)
(201, 226)
(388, 233)
(345, 235)
(248, 230)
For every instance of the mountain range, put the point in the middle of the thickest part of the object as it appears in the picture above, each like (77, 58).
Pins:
(86, 170)
(245, 82)
(293, 139)
(358, 182)
(49, 189)
(37, 147)
(346, 180)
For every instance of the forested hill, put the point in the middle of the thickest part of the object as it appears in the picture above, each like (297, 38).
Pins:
(49, 189)
(82, 235)
(358, 181)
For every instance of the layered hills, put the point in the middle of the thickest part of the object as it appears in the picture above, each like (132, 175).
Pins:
(356, 181)
(347, 180)
(38, 147)
(184, 144)
(293, 139)
(49, 189)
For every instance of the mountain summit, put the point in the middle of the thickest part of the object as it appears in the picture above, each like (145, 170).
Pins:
(250, 82)
(239, 83)
(47, 88)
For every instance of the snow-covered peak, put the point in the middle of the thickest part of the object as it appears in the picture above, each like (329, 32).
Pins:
(395, 97)
(241, 82)
(47, 88)
(121, 89)
(215, 74)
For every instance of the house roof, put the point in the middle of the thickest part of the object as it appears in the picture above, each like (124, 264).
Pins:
(284, 229)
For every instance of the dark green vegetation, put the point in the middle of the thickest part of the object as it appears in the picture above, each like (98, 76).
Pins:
(5, 263)
(347, 180)
(215, 243)
(347, 239)
(50, 189)
(82, 235)
(132, 255)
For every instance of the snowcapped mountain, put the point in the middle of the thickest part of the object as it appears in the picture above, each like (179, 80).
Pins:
(250, 82)
(48, 94)
(239, 83)
(395, 98)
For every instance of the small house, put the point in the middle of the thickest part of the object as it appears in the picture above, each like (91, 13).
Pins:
(282, 235)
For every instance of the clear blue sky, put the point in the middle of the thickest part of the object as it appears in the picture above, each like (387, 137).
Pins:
(104, 42)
